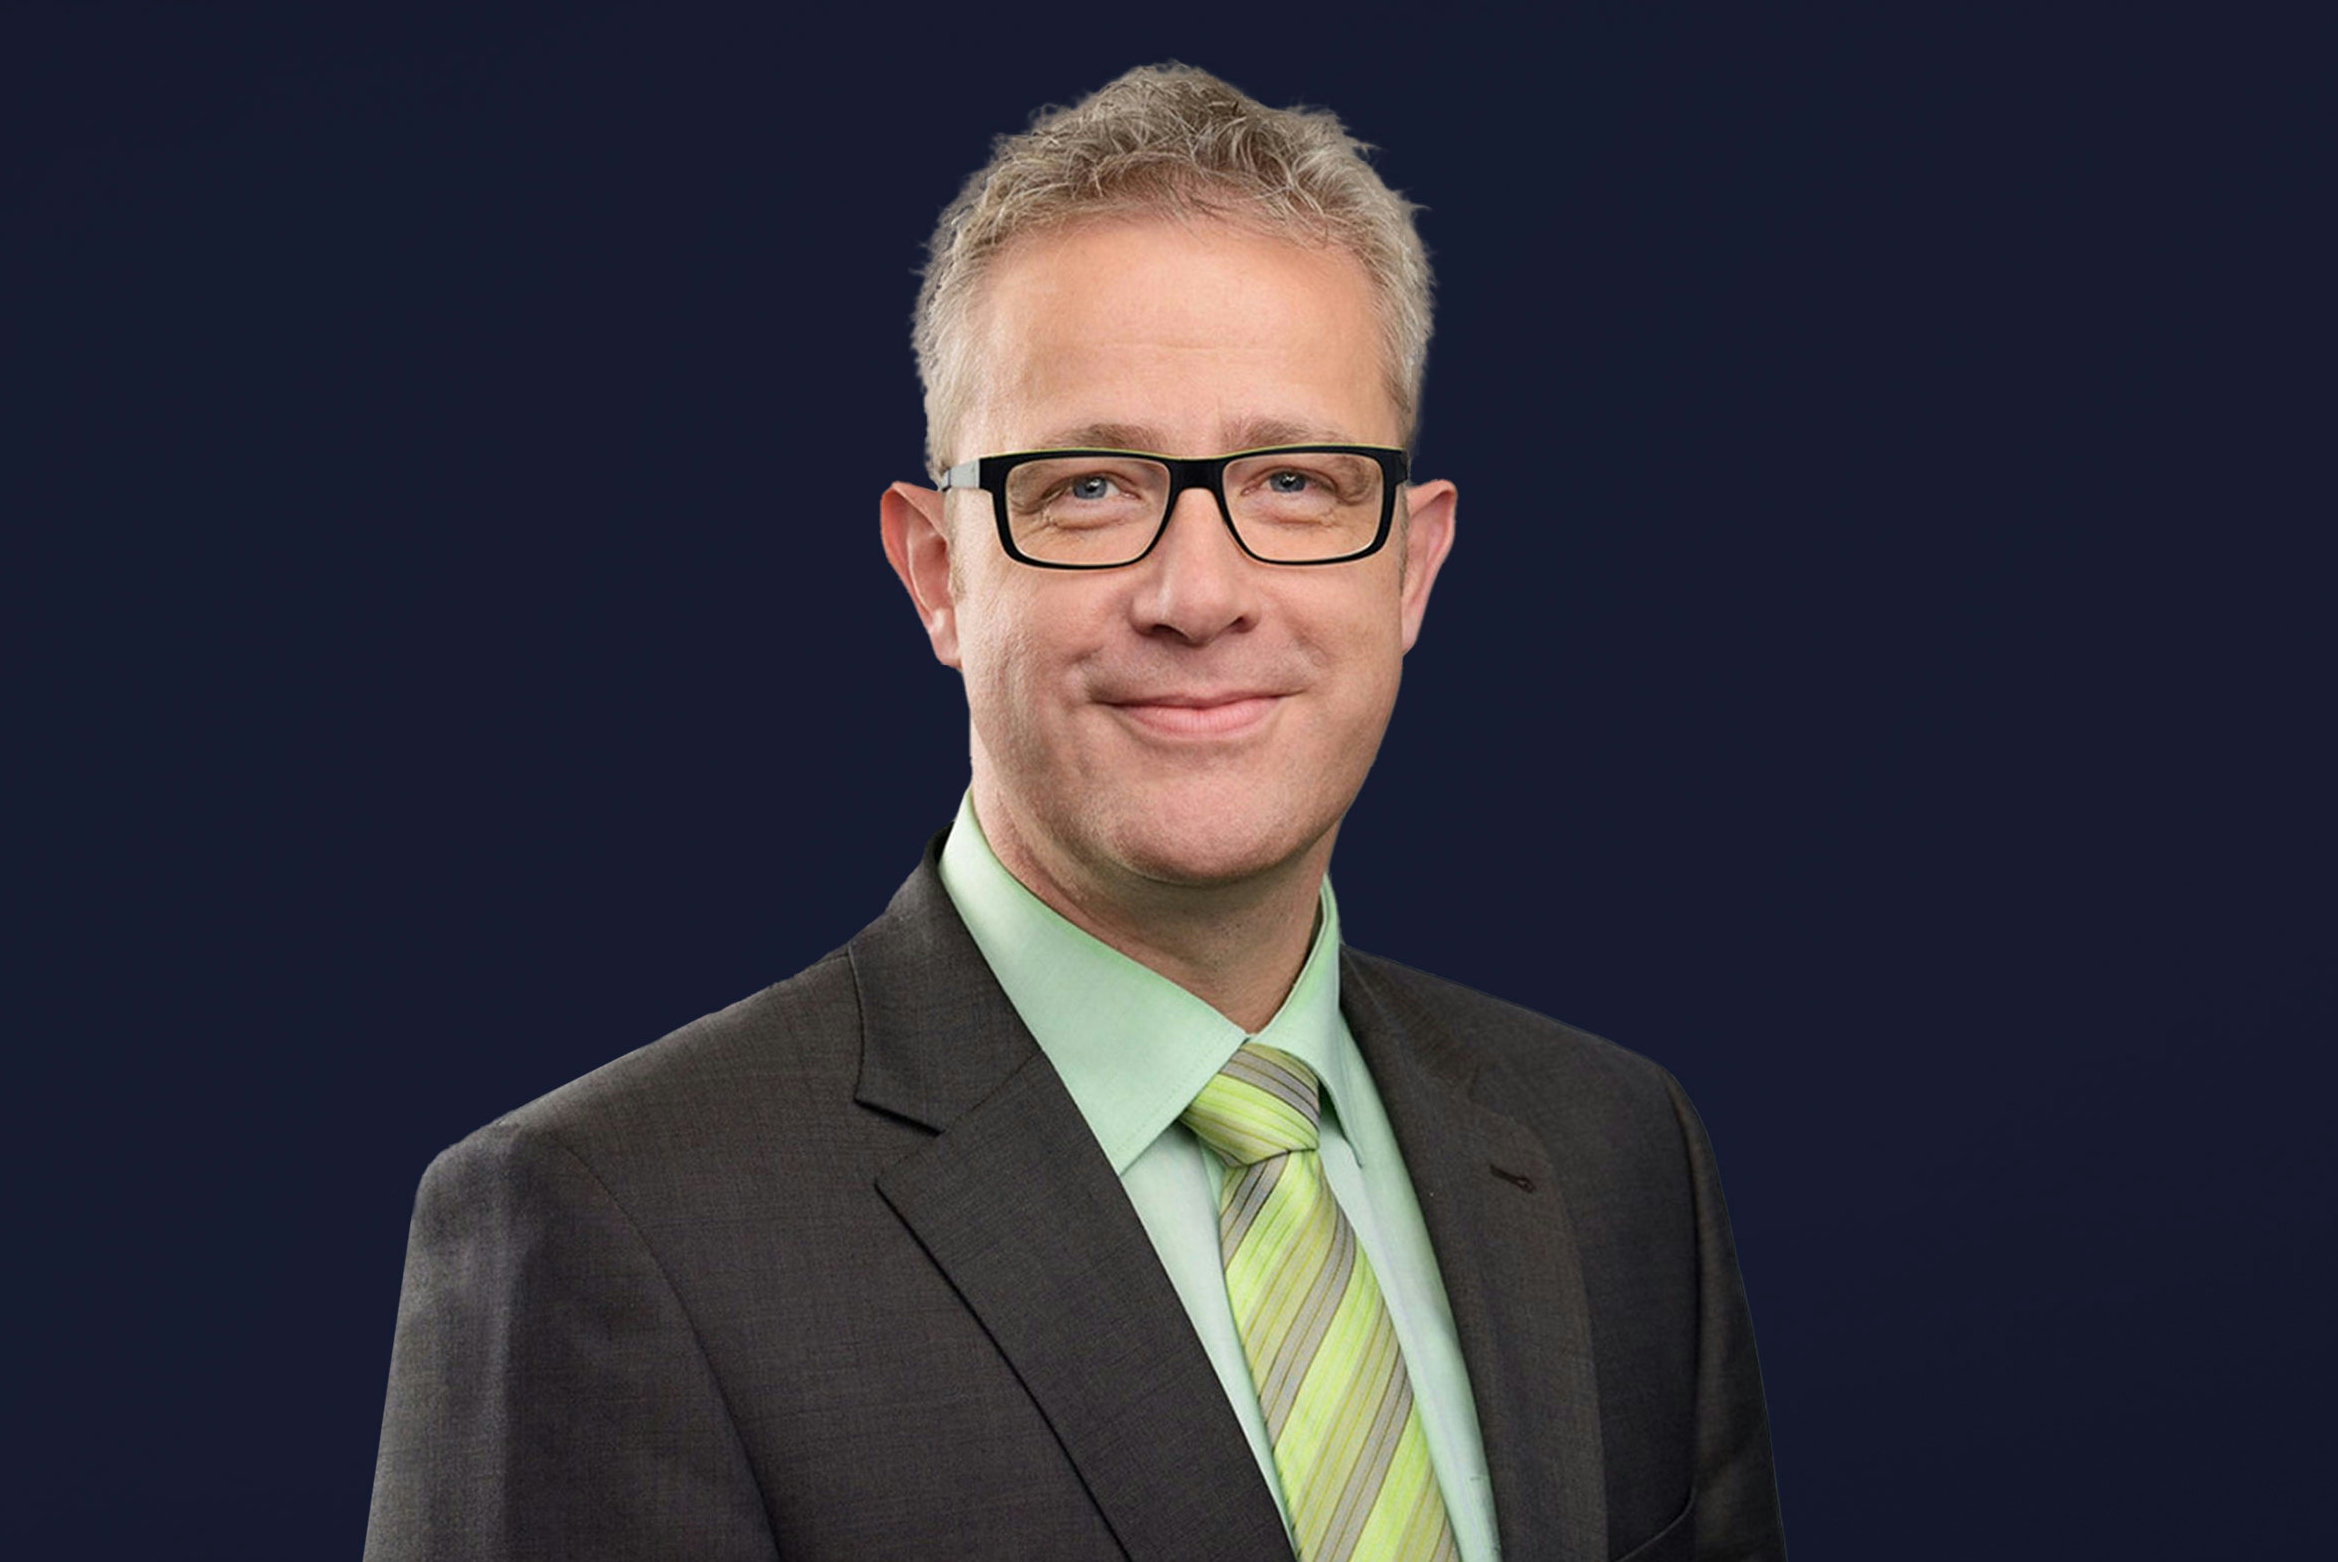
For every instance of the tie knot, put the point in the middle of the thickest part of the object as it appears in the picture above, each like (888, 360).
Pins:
(1261, 1104)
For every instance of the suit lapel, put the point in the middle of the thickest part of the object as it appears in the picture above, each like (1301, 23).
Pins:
(1015, 1202)
(1505, 1245)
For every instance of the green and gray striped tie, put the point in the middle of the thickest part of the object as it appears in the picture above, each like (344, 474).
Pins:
(1339, 1410)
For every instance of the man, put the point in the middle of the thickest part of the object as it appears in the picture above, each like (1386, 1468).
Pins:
(1095, 1201)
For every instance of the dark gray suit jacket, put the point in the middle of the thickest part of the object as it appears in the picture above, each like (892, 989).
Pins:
(840, 1272)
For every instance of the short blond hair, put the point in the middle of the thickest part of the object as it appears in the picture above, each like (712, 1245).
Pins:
(1169, 140)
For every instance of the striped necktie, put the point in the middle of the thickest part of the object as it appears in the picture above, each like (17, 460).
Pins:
(1339, 1410)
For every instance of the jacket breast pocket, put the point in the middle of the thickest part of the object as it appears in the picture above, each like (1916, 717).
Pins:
(1676, 1542)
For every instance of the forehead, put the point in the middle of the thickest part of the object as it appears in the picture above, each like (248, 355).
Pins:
(1191, 338)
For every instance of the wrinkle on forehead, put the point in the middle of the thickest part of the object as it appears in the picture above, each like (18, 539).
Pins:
(1249, 433)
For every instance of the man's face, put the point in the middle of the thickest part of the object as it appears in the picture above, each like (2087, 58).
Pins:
(1197, 717)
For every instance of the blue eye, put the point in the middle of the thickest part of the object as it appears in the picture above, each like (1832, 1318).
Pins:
(1091, 487)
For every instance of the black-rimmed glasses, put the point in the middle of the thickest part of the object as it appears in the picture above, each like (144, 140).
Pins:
(1101, 509)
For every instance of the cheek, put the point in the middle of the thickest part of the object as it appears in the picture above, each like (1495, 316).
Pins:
(1015, 658)
(1018, 672)
(1362, 646)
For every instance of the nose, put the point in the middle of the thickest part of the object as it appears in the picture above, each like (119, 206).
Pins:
(1197, 583)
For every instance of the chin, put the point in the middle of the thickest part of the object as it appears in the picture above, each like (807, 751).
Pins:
(1213, 847)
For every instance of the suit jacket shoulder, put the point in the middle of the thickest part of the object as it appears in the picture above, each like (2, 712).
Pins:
(1449, 1018)
(735, 1081)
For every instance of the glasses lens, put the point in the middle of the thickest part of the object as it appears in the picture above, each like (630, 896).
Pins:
(1086, 509)
(1293, 506)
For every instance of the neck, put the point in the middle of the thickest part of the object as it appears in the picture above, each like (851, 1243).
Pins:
(1238, 945)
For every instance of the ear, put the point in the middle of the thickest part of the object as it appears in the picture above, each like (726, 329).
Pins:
(1428, 537)
(918, 546)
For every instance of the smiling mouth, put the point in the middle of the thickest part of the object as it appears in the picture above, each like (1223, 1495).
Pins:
(1200, 716)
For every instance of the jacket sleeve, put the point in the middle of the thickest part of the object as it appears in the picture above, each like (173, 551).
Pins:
(1736, 1480)
(548, 1397)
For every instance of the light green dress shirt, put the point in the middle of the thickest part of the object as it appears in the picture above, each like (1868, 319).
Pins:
(1133, 1048)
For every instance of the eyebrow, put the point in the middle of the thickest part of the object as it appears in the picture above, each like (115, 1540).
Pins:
(1250, 434)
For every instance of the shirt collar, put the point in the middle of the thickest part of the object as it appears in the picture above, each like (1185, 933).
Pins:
(1133, 1048)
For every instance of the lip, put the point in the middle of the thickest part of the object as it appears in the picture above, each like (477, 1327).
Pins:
(1200, 715)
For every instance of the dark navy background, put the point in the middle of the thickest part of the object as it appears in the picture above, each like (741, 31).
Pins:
(1881, 675)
